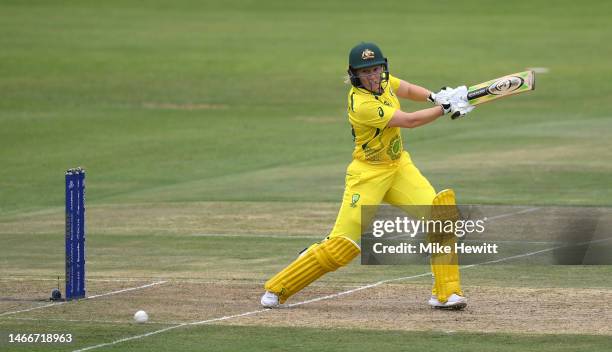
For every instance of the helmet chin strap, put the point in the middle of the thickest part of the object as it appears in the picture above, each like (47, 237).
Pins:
(380, 84)
(356, 82)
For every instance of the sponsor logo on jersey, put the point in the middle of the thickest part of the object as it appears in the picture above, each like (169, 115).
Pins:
(395, 148)
(354, 200)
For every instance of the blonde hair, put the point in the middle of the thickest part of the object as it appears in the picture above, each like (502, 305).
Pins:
(347, 79)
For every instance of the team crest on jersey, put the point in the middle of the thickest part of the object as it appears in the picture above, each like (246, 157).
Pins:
(354, 200)
(395, 148)
(367, 54)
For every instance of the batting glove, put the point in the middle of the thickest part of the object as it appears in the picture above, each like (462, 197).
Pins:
(459, 103)
(442, 97)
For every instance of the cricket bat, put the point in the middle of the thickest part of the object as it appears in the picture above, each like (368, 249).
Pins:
(501, 87)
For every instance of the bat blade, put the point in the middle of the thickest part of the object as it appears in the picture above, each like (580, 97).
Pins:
(501, 87)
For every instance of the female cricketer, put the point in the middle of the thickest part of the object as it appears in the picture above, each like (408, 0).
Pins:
(381, 171)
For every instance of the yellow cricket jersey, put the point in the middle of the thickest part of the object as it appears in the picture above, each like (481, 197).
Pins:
(369, 114)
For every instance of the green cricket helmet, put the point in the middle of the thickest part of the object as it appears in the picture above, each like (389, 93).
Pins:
(366, 55)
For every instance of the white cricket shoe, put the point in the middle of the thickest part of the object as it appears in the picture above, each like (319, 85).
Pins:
(269, 300)
(454, 302)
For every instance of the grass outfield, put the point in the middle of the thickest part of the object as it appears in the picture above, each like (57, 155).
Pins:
(215, 140)
(224, 338)
(228, 102)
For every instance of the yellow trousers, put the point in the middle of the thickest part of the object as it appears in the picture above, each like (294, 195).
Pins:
(399, 184)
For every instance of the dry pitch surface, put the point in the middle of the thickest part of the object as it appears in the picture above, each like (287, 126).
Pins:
(208, 287)
(387, 307)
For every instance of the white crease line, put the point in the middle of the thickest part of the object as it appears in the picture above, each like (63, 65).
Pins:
(339, 294)
(537, 252)
(356, 289)
(34, 308)
(86, 298)
(501, 216)
(127, 289)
